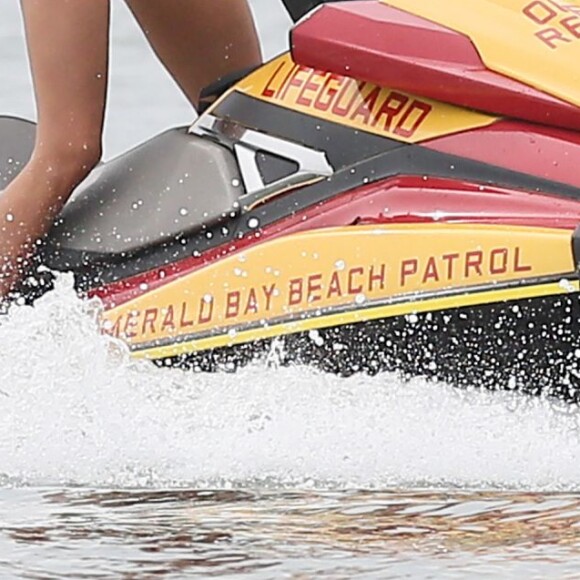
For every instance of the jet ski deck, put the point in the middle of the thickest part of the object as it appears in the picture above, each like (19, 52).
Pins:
(387, 209)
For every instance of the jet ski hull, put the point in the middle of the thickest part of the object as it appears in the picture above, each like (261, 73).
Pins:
(343, 222)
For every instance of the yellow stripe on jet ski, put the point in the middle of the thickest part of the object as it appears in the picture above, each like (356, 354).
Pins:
(357, 104)
(316, 272)
(341, 319)
(536, 42)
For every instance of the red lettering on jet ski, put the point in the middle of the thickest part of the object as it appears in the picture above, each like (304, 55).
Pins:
(470, 265)
(328, 91)
(115, 329)
(544, 12)
(251, 302)
(518, 266)
(269, 292)
(450, 259)
(431, 272)
(379, 278)
(270, 92)
(391, 108)
(149, 320)
(410, 117)
(368, 104)
(358, 101)
(168, 320)
(130, 330)
(498, 261)
(408, 268)
(314, 288)
(343, 111)
(549, 36)
(352, 289)
(238, 303)
(309, 86)
(295, 292)
(334, 288)
(572, 25)
(293, 80)
(233, 300)
(539, 12)
(183, 322)
(351, 282)
(473, 261)
(205, 310)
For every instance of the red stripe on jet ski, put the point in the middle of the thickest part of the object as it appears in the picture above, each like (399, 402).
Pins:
(374, 42)
(544, 152)
(406, 199)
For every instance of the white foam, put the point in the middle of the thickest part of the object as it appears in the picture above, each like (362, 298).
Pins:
(75, 409)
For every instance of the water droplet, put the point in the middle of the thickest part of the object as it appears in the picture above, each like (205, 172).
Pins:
(566, 285)
(9, 217)
(340, 265)
(315, 337)
(253, 223)
(360, 299)
(183, 211)
(236, 182)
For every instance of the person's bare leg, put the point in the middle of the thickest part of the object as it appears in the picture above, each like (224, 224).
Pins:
(199, 41)
(68, 49)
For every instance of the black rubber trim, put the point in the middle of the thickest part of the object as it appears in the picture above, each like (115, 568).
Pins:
(344, 146)
(299, 8)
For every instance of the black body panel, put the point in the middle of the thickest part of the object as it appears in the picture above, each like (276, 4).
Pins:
(298, 8)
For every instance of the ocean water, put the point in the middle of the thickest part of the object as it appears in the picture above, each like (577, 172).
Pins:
(111, 468)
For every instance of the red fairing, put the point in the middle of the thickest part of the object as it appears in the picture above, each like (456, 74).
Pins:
(391, 201)
(374, 42)
(544, 152)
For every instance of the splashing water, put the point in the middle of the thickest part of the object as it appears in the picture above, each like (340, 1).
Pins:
(75, 409)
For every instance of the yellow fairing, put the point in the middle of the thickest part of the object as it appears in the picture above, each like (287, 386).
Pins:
(338, 276)
(535, 42)
(357, 104)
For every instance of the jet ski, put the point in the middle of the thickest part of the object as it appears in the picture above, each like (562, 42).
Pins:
(398, 192)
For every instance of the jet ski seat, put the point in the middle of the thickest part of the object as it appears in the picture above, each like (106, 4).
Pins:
(171, 185)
